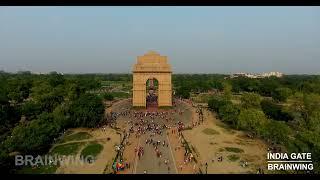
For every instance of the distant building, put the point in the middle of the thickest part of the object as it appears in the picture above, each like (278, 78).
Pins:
(276, 74)
(256, 75)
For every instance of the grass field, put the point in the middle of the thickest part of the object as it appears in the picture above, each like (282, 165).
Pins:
(92, 149)
(234, 150)
(49, 169)
(120, 94)
(233, 157)
(67, 149)
(76, 137)
(209, 131)
(200, 98)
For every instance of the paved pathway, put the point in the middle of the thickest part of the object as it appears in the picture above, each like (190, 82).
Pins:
(149, 161)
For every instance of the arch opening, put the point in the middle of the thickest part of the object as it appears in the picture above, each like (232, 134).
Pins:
(152, 93)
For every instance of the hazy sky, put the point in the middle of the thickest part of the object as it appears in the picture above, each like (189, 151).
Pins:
(196, 39)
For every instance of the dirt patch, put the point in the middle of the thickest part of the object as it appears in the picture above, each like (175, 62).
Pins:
(108, 138)
(253, 151)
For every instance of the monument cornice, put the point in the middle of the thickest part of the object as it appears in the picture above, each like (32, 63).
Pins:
(146, 71)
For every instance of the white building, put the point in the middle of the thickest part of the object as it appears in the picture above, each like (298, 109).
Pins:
(253, 76)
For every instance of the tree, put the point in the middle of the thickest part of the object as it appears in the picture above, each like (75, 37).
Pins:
(39, 89)
(309, 141)
(281, 94)
(183, 92)
(251, 119)
(55, 79)
(311, 103)
(34, 137)
(268, 85)
(30, 109)
(314, 121)
(62, 117)
(276, 131)
(297, 103)
(87, 111)
(108, 97)
(302, 107)
(74, 91)
(9, 115)
(50, 101)
(18, 89)
(250, 100)
(227, 87)
(274, 111)
(216, 102)
(229, 113)
(217, 85)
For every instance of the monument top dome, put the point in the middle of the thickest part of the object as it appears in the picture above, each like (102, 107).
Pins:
(152, 53)
(152, 62)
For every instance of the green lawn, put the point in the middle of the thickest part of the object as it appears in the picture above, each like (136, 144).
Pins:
(76, 137)
(120, 94)
(92, 149)
(200, 98)
(233, 149)
(209, 131)
(67, 149)
(49, 169)
(233, 157)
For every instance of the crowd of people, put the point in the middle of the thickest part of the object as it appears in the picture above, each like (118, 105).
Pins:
(152, 99)
(152, 125)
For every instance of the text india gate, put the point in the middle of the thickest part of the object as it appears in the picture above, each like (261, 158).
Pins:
(152, 67)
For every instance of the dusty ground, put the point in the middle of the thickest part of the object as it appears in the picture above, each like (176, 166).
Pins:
(210, 147)
(207, 147)
(149, 161)
(104, 159)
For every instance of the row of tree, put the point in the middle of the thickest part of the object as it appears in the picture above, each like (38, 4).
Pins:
(277, 88)
(36, 109)
(296, 125)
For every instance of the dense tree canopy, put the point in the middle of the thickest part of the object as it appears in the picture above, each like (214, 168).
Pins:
(251, 119)
(35, 136)
(87, 111)
(274, 111)
(281, 94)
(229, 113)
(250, 100)
(275, 131)
(108, 97)
(49, 104)
(283, 110)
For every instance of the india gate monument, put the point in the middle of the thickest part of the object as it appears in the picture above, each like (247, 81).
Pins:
(152, 81)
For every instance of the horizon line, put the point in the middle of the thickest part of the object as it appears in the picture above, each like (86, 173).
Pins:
(39, 73)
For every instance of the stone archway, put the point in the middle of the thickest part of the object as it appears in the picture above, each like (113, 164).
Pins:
(152, 66)
(152, 93)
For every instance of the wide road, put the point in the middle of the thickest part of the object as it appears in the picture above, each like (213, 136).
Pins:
(150, 162)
